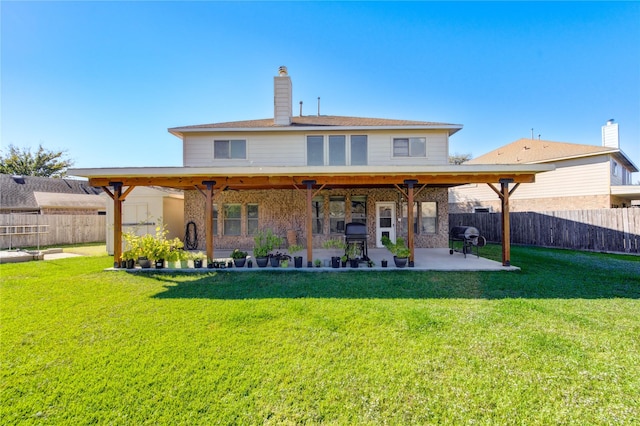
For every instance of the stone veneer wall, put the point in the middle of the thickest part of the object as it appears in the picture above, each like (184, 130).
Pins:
(284, 210)
(592, 202)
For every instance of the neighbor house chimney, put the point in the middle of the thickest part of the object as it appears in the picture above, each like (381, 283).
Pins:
(610, 136)
(282, 109)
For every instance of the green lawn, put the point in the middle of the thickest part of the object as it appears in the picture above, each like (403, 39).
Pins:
(556, 343)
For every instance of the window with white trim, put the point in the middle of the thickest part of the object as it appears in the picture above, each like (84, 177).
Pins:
(230, 149)
(252, 219)
(425, 217)
(232, 219)
(334, 150)
(315, 150)
(336, 215)
(317, 215)
(337, 150)
(409, 147)
(358, 150)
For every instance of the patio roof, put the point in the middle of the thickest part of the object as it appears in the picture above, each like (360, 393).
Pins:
(289, 177)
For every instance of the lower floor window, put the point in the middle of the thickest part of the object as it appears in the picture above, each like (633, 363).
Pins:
(425, 217)
(336, 215)
(317, 215)
(232, 219)
(252, 219)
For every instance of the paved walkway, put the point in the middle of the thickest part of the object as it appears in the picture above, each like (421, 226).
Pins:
(15, 256)
(437, 259)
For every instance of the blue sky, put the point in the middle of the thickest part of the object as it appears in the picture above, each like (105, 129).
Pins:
(104, 80)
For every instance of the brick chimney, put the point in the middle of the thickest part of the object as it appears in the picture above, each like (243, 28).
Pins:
(282, 109)
(610, 136)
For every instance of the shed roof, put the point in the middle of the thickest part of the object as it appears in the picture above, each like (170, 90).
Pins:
(28, 192)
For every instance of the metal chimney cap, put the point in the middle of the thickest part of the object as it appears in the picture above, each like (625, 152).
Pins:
(282, 71)
(610, 121)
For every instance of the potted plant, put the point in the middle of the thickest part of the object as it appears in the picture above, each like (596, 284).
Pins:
(239, 258)
(337, 247)
(264, 243)
(353, 253)
(343, 260)
(371, 263)
(399, 250)
(384, 262)
(297, 260)
(284, 263)
(129, 258)
(317, 263)
(198, 258)
(173, 259)
(278, 257)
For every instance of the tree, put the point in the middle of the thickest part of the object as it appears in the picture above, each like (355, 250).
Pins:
(42, 163)
(456, 158)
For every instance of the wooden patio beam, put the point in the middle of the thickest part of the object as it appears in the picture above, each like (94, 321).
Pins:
(264, 182)
(309, 221)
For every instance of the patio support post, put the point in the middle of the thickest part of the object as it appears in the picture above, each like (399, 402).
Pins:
(506, 223)
(117, 220)
(208, 221)
(309, 221)
(410, 231)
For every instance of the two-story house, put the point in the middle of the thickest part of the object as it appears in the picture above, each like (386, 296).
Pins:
(306, 177)
(585, 177)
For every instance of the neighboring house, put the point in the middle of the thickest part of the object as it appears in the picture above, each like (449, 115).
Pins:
(42, 195)
(146, 208)
(306, 177)
(585, 177)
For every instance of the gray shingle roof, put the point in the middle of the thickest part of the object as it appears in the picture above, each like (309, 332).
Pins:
(314, 121)
(18, 193)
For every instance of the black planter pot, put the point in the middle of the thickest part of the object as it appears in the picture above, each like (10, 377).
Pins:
(335, 262)
(297, 261)
(400, 262)
(249, 263)
(384, 263)
(159, 264)
(344, 263)
(130, 263)
(240, 262)
(144, 262)
(354, 263)
(262, 261)
(275, 262)
(197, 263)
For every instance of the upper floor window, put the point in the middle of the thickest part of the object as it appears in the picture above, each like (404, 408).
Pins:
(230, 149)
(335, 151)
(409, 147)
(614, 168)
(359, 150)
(315, 150)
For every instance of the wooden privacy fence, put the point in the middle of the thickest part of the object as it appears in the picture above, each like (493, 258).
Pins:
(32, 230)
(612, 230)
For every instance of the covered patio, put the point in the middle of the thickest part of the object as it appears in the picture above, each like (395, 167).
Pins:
(407, 180)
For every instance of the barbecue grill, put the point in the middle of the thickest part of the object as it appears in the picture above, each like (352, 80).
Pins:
(470, 238)
(356, 233)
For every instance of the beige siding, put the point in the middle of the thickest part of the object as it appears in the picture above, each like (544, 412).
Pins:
(289, 149)
(574, 183)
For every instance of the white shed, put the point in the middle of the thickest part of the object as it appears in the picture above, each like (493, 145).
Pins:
(146, 207)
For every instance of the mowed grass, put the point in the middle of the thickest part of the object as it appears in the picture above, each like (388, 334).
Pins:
(557, 343)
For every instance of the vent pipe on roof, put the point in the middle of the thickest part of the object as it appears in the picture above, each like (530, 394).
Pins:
(282, 108)
(610, 136)
(300, 108)
(318, 106)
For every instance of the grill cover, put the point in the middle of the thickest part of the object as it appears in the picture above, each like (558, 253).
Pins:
(464, 232)
(355, 230)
